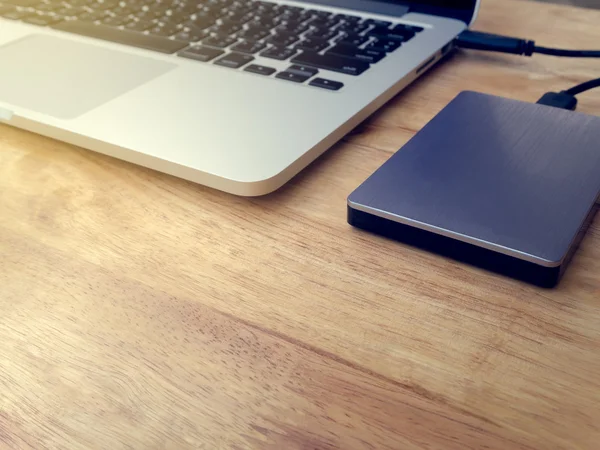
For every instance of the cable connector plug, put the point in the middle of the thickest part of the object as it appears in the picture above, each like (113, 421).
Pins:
(562, 100)
(494, 43)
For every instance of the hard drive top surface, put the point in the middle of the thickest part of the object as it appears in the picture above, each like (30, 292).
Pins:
(511, 176)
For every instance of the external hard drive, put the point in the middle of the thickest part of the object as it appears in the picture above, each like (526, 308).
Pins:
(502, 184)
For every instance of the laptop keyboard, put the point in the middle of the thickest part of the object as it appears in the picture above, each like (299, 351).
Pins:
(228, 33)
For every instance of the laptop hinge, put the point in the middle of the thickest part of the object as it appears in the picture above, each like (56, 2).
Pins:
(371, 6)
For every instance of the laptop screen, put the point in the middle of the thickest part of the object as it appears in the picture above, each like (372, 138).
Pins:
(446, 4)
(456, 4)
(459, 9)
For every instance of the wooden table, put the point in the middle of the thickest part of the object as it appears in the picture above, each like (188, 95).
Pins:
(142, 311)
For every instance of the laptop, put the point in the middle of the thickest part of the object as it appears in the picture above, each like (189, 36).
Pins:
(238, 95)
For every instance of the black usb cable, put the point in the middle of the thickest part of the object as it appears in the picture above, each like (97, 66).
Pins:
(504, 44)
(566, 99)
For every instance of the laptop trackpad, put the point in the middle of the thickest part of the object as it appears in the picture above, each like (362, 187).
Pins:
(64, 78)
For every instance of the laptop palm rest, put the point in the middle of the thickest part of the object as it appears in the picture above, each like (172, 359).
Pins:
(64, 78)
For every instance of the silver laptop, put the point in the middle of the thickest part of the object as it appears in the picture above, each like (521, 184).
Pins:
(238, 95)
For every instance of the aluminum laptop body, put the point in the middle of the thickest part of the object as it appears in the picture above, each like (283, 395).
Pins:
(236, 95)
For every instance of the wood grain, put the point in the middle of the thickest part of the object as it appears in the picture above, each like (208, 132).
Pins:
(142, 311)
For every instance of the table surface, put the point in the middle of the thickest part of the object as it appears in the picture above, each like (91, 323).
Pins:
(142, 311)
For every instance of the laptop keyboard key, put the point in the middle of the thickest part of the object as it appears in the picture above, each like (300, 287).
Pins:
(347, 18)
(290, 9)
(354, 40)
(199, 23)
(293, 28)
(239, 9)
(112, 21)
(321, 14)
(139, 25)
(165, 30)
(322, 33)
(379, 31)
(44, 8)
(398, 34)
(249, 47)
(335, 63)
(326, 22)
(174, 18)
(255, 33)
(326, 84)
(194, 35)
(314, 44)
(368, 55)
(302, 70)
(378, 23)
(384, 45)
(265, 5)
(353, 28)
(407, 28)
(150, 15)
(234, 60)
(291, 76)
(203, 54)
(308, 13)
(263, 21)
(123, 11)
(282, 39)
(72, 13)
(104, 6)
(290, 12)
(261, 70)
(239, 18)
(220, 41)
(156, 43)
(401, 36)
(280, 53)
(92, 16)
(227, 28)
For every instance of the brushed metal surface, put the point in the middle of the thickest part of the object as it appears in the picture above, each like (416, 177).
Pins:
(515, 177)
